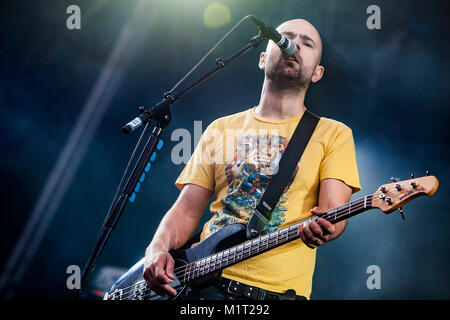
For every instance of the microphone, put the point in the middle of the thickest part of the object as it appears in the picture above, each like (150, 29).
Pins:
(288, 47)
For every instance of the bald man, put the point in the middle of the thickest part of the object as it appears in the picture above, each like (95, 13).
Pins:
(325, 178)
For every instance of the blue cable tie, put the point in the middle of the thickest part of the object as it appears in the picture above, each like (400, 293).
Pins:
(133, 196)
(138, 186)
(152, 158)
(160, 144)
(147, 167)
(141, 179)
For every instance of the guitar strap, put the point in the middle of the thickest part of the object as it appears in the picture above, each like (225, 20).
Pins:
(279, 181)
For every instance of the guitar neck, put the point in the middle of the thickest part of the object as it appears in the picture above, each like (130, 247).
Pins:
(251, 248)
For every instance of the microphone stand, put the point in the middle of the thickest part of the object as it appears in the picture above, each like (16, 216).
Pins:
(161, 113)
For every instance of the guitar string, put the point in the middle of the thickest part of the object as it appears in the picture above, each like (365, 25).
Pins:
(147, 291)
(325, 215)
(338, 214)
(356, 205)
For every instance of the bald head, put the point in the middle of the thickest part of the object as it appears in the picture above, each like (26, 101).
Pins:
(303, 31)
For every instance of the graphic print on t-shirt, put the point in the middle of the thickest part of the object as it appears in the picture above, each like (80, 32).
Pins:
(255, 161)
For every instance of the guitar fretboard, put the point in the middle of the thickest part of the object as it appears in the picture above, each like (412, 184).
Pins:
(269, 241)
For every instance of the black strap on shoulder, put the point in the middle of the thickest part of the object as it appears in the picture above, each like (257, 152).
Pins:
(279, 181)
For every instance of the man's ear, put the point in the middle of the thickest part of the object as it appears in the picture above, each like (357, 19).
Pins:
(318, 73)
(262, 60)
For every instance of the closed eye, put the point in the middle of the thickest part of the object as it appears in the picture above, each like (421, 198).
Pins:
(306, 40)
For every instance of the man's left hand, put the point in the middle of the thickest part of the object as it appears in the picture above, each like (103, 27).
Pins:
(317, 232)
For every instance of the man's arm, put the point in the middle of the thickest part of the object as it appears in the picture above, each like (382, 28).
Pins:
(333, 193)
(175, 228)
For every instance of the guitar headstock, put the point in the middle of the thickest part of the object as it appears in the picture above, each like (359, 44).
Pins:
(392, 196)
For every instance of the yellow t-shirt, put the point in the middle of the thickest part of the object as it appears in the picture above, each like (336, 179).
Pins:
(235, 158)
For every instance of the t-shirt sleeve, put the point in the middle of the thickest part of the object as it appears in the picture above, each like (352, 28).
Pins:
(340, 159)
(200, 168)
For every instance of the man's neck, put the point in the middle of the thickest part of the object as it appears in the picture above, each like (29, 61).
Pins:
(276, 104)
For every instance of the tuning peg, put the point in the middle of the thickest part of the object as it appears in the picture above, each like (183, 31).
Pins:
(427, 173)
(401, 212)
(412, 175)
(394, 179)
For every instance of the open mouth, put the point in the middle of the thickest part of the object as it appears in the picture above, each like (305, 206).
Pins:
(291, 58)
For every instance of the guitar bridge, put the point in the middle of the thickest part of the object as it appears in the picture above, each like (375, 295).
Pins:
(115, 295)
(139, 291)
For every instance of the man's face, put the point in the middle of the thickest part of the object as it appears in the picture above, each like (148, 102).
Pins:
(297, 71)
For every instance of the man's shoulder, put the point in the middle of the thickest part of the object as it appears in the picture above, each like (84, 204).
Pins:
(231, 119)
(332, 124)
(329, 131)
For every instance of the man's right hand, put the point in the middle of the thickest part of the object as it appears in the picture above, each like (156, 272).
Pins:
(158, 272)
(176, 227)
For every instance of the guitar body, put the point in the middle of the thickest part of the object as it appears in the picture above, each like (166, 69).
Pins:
(130, 286)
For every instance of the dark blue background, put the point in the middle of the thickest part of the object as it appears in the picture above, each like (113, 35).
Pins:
(391, 86)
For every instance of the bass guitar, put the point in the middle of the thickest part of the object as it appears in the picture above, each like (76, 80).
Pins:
(229, 245)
